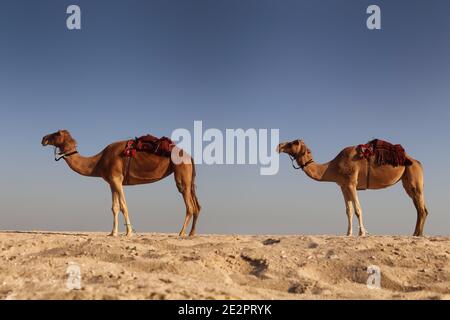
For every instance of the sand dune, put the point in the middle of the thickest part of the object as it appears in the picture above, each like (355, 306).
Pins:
(164, 266)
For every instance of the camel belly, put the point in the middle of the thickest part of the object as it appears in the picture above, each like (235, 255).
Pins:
(145, 168)
(132, 181)
(378, 177)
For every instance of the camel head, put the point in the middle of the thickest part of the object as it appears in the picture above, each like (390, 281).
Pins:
(294, 148)
(297, 150)
(60, 139)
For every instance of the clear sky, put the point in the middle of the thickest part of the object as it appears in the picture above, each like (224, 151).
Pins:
(310, 68)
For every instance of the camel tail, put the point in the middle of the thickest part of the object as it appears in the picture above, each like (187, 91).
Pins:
(195, 202)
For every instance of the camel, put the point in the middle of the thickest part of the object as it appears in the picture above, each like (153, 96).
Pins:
(350, 172)
(110, 164)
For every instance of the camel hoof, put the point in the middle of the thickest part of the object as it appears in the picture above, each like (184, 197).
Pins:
(182, 234)
(192, 234)
(129, 234)
(113, 234)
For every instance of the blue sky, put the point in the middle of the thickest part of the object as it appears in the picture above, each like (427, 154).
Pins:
(309, 68)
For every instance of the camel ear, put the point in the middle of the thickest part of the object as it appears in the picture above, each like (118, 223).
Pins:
(303, 149)
(297, 142)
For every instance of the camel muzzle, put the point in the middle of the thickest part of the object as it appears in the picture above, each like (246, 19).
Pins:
(44, 142)
(280, 148)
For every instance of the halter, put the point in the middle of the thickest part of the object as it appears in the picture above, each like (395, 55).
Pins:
(62, 155)
(301, 166)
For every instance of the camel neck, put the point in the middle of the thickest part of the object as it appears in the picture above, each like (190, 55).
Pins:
(86, 166)
(317, 171)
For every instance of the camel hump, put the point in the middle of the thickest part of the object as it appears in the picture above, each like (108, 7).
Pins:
(347, 153)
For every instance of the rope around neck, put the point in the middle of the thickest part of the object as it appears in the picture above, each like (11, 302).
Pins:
(62, 155)
(301, 166)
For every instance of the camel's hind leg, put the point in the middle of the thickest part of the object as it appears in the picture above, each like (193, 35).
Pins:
(194, 223)
(183, 180)
(189, 214)
(412, 181)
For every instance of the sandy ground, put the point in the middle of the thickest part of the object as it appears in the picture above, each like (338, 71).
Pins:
(34, 265)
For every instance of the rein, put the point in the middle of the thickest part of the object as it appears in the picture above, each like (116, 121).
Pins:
(62, 155)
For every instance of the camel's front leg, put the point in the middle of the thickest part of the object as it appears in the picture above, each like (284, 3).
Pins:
(358, 210)
(348, 210)
(117, 186)
(124, 209)
(115, 210)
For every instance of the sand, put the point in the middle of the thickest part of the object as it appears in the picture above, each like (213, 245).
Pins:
(34, 265)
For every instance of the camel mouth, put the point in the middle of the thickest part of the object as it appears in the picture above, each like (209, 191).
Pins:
(44, 142)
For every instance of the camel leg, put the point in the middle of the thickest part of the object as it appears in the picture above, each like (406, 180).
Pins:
(187, 219)
(349, 211)
(115, 210)
(117, 185)
(194, 223)
(189, 213)
(124, 209)
(412, 182)
(358, 211)
(183, 176)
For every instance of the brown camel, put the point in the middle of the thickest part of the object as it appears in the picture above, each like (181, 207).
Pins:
(110, 164)
(350, 172)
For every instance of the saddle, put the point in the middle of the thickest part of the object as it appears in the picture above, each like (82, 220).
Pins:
(385, 153)
(159, 146)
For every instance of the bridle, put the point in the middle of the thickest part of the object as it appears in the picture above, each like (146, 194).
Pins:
(62, 155)
(301, 166)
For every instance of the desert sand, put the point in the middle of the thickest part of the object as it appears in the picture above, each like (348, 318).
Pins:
(165, 266)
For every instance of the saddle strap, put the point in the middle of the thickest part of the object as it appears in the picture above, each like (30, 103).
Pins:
(126, 173)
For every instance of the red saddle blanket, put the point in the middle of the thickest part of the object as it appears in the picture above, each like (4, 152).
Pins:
(384, 153)
(158, 146)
